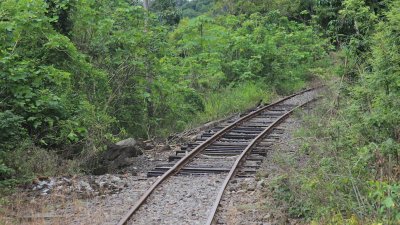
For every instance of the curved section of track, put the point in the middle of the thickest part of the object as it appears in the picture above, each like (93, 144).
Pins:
(217, 155)
(242, 157)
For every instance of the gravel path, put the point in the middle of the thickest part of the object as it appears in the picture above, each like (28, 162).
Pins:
(303, 98)
(187, 201)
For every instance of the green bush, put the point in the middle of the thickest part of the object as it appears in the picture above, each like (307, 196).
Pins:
(76, 74)
(11, 130)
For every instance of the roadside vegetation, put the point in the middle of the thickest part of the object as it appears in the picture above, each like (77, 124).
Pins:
(352, 141)
(76, 75)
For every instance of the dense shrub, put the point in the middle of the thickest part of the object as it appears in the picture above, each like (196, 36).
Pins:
(76, 74)
(353, 173)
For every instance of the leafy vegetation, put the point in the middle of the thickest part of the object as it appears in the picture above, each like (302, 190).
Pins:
(352, 142)
(75, 75)
(192, 9)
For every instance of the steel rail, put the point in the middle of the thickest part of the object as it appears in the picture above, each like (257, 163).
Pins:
(183, 161)
(241, 157)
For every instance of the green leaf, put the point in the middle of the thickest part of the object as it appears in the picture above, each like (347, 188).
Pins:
(31, 118)
(388, 202)
(36, 124)
(43, 142)
(146, 95)
(72, 136)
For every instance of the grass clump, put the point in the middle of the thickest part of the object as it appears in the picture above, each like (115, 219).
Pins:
(232, 100)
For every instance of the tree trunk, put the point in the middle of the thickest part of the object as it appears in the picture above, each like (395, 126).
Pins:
(149, 79)
(146, 4)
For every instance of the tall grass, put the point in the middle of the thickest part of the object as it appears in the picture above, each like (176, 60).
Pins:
(232, 100)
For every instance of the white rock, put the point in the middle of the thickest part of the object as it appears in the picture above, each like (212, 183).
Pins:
(115, 179)
(83, 185)
(127, 142)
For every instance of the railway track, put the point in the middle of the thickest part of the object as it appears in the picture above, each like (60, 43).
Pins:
(190, 187)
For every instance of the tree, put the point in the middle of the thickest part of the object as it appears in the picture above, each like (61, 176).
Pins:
(167, 11)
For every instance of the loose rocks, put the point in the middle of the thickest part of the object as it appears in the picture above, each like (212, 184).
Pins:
(82, 187)
(187, 201)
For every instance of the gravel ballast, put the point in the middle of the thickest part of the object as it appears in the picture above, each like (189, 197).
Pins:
(180, 200)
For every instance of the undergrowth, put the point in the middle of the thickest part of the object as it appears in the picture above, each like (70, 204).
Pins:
(346, 179)
(232, 100)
